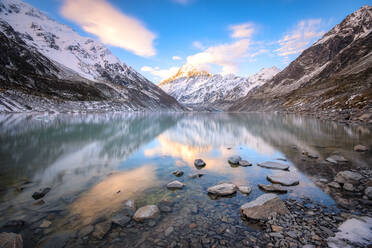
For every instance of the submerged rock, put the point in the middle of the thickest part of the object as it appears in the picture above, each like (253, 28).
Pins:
(177, 173)
(348, 177)
(58, 240)
(223, 189)
(130, 204)
(274, 165)
(101, 229)
(41, 193)
(263, 207)
(336, 159)
(273, 188)
(199, 163)
(334, 185)
(175, 185)
(86, 231)
(121, 219)
(45, 224)
(146, 212)
(196, 175)
(245, 189)
(244, 163)
(360, 148)
(11, 240)
(286, 179)
(234, 160)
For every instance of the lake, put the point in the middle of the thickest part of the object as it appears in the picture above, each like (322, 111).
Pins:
(93, 163)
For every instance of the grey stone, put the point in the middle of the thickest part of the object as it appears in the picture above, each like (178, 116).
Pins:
(334, 185)
(360, 148)
(177, 173)
(146, 212)
(274, 165)
(199, 163)
(101, 229)
(131, 204)
(286, 179)
(120, 220)
(86, 231)
(275, 188)
(11, 240)
(336, 159)
(234, 159)
(58, 240)
(175, 185)
(244, 163)
(245, 189)
(348, 177)
(348, 187)
(41, 193)
(263, 207)
(223, 189)
(168, 231)
(368, 192)
(196, 175)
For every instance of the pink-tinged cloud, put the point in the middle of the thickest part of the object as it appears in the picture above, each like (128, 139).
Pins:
(110, 25)
(244, 30)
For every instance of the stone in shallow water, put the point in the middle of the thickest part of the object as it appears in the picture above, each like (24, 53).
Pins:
(58, 240)
(360, 148)
(121, 219)
(368, 192)
(264, 206)
(177, 173)
(286, 179)
(146, 212)
(336, 159)
(273, 188)
(86, 231)
(334, 185)
(234, 160)
(348, 177)
(41, 193)
(245, 189)
(223, 189)
(101, 229)
(199, 163)
(175, 185)
(131, 204)
(196, 175)
(45, 224)
(348, 187)
(244, 163)
(11, 240)
(274, 165)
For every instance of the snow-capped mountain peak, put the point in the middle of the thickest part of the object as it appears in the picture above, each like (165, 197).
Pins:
(187, 71)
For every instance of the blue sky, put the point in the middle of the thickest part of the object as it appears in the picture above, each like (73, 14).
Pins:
(156, 37)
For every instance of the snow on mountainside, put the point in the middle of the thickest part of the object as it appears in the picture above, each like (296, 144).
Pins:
(333, 77)
(192, 87)
(81, 58)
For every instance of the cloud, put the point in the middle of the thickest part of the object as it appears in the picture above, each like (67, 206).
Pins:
(111, 26)
(244, 30)
(228, 56)
(176, 58)
(160, 73)
(297, 40)
(198, 45)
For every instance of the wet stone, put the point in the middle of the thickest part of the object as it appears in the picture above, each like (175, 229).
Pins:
(86, 231)
(40, 194)
(234, 160)
(368, 192)
(348, 187)
(11, 240)
(146, 212)
(334, 185)
(245, 189)
(175, 185)
(121, 219)
(45, 224)
(336, 159)
(274, 165)
(196, 175)
(275, 188)
(244, 163)
(348, 177)
(177, 173)
(130, 204)
(58, 240)
(101, 229)
(360, 148)
(285, 179)
(199, 163)
(168, 231)
(223, 189)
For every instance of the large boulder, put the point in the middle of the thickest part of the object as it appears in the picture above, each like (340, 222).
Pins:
(223, 189)
(264, 206)
(348, 177)
(11, 240)
(146, 212)
(274, 165)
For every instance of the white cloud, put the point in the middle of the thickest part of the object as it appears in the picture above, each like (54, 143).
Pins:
(305, 32)
(198, 45)
(244, 30)
(160, 73)
(228, 56)
(110, 25)
(176, 58)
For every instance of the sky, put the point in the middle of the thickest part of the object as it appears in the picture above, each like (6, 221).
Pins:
(156, 37)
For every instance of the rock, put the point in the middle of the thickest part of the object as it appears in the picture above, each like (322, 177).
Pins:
(131, 204)
(286, 179)
(348, 187)
(121, 219)
(196, 175)
(41, 193)
(274, 165)
(244, 163)
(360, 148)
(45, 224)
(168, 231)
(192, 226)
(14, 224)
(276, 228)
(273, 188)
(368, 192)
(86, 231)
(58, 240)
(365, 117)
(177, 173)
(264, 206)
(223, 189)
(348, 177)
(308, 246)
(336, 159)
(312, 155)
(245, 189)
(11, 240)
(234, 160)
(146, 212)
(175, 185)
(334, 185)
(101, 229)
(199, 163)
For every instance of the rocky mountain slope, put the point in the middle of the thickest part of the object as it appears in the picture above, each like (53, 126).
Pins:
(47, 66)
(197, 89)
(331, 78)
